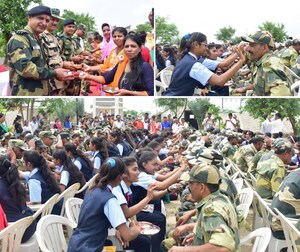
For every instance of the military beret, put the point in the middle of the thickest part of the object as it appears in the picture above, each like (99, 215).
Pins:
(82, 27)
(55, 13)
(17, 143)
(39, 10)
(205, 173)
(261, 37)
(68, 22)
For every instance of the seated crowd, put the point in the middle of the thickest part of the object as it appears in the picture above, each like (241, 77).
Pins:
(136, 169)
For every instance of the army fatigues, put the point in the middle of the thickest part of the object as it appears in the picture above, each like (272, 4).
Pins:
(287, 200)
(52, 51)
(270, 172)
(269, 77)
(228, 150)
(89, 46)
(217, 222)
(255, 160)
(244, 156)
(289, 57)
(29, 72)
(69, 49)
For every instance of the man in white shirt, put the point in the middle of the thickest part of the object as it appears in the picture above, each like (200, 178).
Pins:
(208, 122)
(276, 124)
(230, 123)
(119, 123)
(33, 124)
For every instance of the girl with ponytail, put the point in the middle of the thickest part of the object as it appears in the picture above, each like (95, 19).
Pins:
(101, 210)
(13, 196)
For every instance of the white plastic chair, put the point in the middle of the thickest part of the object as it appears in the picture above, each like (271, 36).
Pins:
(291, 233)
(165, 76)
(11, 236)
(50, 233)
(262, 238)
(253, 179)
(88, 184)
(295, 88)
(73, 206)
(246, 196)
(243, 209)
(238, 182)
(266, 212)
(68, 193)
(162, 88)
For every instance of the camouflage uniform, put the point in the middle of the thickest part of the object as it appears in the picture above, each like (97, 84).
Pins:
(228, 150)
(268, 74)
(217, 218)
(257, 157)
(287, 199)
(289, 57)
(272, 171)
(244, 156)
(29, 72)
(52, 51)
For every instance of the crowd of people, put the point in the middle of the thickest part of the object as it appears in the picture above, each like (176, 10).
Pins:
(137, 162)
(44, 61)
(257, 66)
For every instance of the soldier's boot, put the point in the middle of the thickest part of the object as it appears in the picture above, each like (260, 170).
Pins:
(88, 89)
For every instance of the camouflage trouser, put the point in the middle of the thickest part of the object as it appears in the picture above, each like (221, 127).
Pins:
(84, 85)
(73, 87)
(168, 243)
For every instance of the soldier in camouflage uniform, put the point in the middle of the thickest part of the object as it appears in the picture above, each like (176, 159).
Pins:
(244, 156)
(268, 74)
(18, 147)
(52, 51)
(287, 201)
(45, 122)
(289, 55)
(217, 224)
(29, 72)
(230, 148)
(272, 171)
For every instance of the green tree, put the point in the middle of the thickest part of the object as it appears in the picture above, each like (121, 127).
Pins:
(131, 112)
(80, 18)
(288, 108)
(144, 27)
(225, 34)
(13, 17)
(277, 30)
(166, 33)
(200, 107)
(176, 106)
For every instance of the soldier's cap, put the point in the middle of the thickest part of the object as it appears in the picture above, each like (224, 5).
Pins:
(192, 137)
(39, 10)
(90, 131)
(82, 27)
(69, 21)
(90, 35)
(288, 42)
(39, 143)
(203, 173)
(65, 135)
(17, 143)
(184, 143)
(210, 156)
(296, 42)
(77, 133)
(7, 135)
(261, 37)
(3, 152)
(280, 144)
(28, 137)
(46, 134)
(55, 13)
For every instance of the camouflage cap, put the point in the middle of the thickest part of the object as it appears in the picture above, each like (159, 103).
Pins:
(205, 173)
(281, 144)
(90, 131)
(3, 151)
(184, 143)
(46, 134)
(82, 27)
(55, 13)
(39, 143)
(28, 137)
(296, 42)
(17, 143)
(261, 37)
(90, 35)
(210, 156)
(65, 135)
(69, 22)
(192, 137)
(77, 133)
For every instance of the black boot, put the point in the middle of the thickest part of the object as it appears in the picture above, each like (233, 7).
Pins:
(88, 88)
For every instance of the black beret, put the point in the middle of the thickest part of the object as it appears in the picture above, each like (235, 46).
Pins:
(39, 10)
(68, 22)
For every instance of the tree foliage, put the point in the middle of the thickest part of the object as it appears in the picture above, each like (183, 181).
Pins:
(146, 27)
(13, 17)
(176, 106)
(200, 107)
(288, 108)
(277, 30)
(225, 34)
(166, 33)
